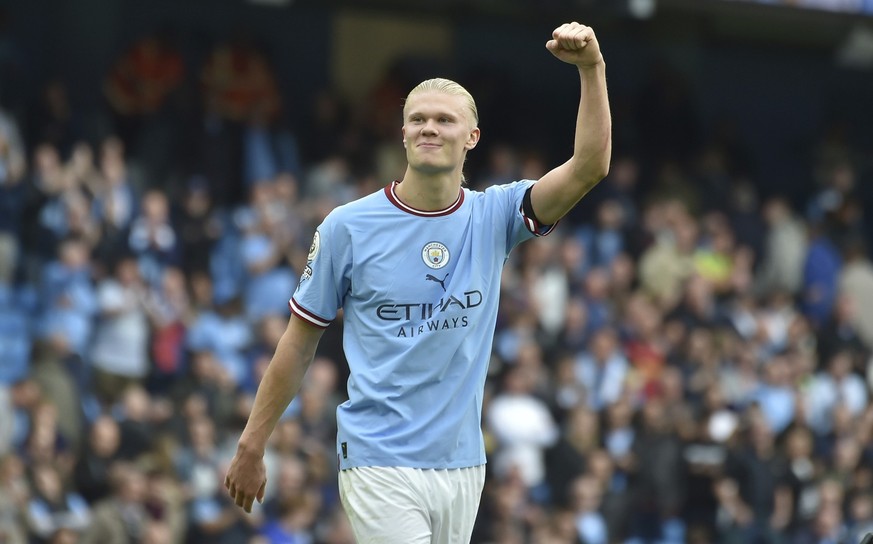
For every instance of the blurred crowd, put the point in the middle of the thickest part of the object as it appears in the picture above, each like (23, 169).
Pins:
(848, 6)
(685, 359)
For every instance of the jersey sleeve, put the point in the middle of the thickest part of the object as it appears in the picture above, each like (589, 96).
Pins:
(521, 223)
(324, 280)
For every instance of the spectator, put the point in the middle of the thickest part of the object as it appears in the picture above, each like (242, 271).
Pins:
(215, 518)
(134, 422)
(14, 497)
(121, 518)
(833, 387)
(856, 282)
(165, 503)
(784, 249)
(776, 397)
(669, 261)
(225, 333)
(295, 520)
(821, 269)
(567, 459)
(659, 485)
(115, 200)
(590, 525)
(169, 310)
(119, 352)
(52, 508)
(153, 239)
(603, 370)
(523, 427)
(763, 504)
(198, 226)
(841, 333)
(91, 474)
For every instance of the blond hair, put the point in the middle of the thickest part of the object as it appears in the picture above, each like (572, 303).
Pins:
(446, 86)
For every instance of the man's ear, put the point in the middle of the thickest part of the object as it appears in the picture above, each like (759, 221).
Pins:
(473, 139)
(403, 134)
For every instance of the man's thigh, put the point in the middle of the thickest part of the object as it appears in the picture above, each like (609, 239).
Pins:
(394, 505)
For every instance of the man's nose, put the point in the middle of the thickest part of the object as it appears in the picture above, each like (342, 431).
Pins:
(430, 127)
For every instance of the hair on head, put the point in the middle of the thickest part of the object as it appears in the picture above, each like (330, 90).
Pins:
(447, 86)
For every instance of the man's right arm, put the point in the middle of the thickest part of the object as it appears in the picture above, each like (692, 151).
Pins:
(246, 477)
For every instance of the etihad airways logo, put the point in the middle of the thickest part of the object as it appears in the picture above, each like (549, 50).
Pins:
(428, 313)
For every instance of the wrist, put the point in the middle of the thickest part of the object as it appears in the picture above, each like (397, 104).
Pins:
(592, 65)
(250, 446)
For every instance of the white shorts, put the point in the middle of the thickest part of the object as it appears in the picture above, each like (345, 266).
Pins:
(398, 505)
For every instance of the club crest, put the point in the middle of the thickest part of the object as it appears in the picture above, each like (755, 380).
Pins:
(313, 249)
(435, 255)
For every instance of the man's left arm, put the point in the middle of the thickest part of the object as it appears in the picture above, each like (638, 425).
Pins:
(560, 189)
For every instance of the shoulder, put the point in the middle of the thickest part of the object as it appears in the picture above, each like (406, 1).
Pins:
(357, 210)
(504, 193)
(504, 188)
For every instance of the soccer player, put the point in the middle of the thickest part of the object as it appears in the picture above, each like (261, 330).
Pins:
(416, 269)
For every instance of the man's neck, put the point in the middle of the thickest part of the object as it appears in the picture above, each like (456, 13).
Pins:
(428, 192)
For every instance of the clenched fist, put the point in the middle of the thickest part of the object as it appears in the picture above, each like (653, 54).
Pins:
(575, 43)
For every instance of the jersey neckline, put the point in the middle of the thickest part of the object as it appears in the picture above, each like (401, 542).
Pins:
(392, 197)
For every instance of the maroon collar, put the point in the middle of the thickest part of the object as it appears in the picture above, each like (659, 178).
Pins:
(392, 196)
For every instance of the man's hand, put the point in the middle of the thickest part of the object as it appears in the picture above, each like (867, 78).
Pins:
(246, 479)
(575, 44)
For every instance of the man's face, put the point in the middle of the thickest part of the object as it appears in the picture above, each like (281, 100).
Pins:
(437, 131)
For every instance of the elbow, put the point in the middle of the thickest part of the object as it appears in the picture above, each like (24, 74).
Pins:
(595, 166)
(600, 171)
(592, 172)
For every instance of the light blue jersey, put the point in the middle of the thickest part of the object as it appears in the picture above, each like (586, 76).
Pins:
(419, 292)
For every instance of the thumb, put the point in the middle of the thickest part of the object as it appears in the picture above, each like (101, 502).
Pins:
(552, 45)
